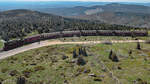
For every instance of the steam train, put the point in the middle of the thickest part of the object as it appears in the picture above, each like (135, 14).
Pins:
(54, 35)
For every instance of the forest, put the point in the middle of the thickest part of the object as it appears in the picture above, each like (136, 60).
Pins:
(19, 23)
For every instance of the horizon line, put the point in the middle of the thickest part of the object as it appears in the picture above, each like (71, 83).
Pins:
(79, 1)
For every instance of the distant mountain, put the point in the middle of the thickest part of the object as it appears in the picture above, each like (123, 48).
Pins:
(114, 13)
(20, 13)
(43, 5)
(120, 18)
(113, 7)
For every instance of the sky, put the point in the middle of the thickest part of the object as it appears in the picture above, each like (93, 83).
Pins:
(88, 0)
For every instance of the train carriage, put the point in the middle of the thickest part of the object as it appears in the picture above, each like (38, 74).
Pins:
(140, 33)
(53, 35)
(32, 39)
(71, 33)
(105, 33)
(88, 32)
(122, 33)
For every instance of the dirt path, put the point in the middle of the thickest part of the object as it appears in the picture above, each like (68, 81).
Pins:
(48, 43)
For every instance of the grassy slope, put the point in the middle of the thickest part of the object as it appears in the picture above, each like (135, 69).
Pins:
(1, 44)
(96, 38)
(46, 65)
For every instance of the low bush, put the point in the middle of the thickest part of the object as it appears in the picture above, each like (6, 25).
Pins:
(39, 68)
(4, 70)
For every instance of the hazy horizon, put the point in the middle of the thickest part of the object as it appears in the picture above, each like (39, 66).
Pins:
(134, 1)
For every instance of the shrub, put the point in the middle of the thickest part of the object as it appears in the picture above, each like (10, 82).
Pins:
(27, 72)
(140, 81)
(64, 57)
(113, 56)
(13, 58)
(38, 68)
(138, 46)
(4, 70)
(97, 79)
(13, 73)
(87, 71)
(130, 52)
(81, 61)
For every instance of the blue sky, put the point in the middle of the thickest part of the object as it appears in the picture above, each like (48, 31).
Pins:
(88, 0)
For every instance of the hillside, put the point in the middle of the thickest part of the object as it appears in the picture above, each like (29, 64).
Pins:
(113, 7)
(114, 13)
(120, 18)
(57, 65)
(20, 23)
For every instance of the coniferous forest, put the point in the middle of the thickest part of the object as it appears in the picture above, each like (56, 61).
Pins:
(19, 23)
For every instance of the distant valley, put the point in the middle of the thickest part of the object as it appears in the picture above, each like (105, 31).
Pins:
(114, 13)
(113, 7)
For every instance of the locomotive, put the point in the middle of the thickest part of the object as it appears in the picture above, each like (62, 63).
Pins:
(54, 35)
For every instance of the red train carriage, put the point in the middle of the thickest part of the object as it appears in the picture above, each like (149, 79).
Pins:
(32, 39)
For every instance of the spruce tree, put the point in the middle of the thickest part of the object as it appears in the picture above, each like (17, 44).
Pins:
(138, 46)
(113, 57)
(75, 54)
(80, 51)
(110, 54)
(84, 52)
